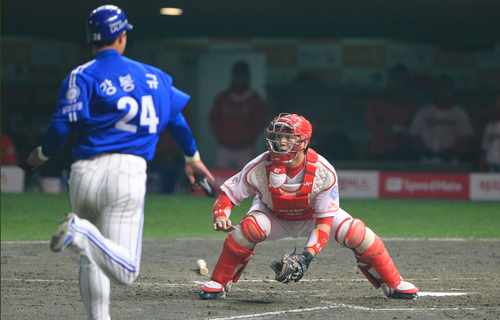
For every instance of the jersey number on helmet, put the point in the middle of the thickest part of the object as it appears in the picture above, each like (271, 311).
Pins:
(148, 114)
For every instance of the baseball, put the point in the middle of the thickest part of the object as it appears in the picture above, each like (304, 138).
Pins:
(202, 267)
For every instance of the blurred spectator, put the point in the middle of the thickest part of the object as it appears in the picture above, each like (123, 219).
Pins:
(9, 151)
(237, 118)
(441, 131)
(388, 117)
(332, 141)
(490, 155)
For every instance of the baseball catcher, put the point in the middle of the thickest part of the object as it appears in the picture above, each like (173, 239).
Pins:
(295, 193)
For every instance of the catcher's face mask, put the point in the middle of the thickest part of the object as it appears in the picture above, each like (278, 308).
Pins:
(287, 135)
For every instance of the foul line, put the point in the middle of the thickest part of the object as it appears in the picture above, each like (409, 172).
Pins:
(336, 306)
(198, 283)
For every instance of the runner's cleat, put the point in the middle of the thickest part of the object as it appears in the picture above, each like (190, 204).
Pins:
(65, 234)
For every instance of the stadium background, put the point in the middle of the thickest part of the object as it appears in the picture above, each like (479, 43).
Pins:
(322, 59)
(452, 246)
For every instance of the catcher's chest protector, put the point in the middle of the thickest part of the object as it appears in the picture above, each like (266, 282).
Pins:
(295, 206)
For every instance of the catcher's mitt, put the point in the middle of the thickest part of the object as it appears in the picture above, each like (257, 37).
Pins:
(291, 267)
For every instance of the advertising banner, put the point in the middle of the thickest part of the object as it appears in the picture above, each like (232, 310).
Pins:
(12, 179)
(358, 184)
(424, 185)
(485, 186)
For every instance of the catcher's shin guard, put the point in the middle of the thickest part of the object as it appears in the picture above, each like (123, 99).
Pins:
(233, 256)
(378, 267)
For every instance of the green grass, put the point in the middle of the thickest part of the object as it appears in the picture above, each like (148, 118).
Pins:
(33, 216)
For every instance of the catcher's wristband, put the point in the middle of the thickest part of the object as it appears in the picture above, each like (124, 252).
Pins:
(321, 240)
(222, 207)
(195, 157)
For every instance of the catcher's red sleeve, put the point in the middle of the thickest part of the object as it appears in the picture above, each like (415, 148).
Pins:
(222, 207)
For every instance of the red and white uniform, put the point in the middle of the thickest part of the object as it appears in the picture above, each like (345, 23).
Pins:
(322, 200)
(294, 202)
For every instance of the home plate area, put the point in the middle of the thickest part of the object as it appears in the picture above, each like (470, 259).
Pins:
(457, 280)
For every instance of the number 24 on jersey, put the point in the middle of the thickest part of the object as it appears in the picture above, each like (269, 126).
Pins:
(148, 114)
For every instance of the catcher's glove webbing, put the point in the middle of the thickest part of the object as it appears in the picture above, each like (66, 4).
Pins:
(291, 267)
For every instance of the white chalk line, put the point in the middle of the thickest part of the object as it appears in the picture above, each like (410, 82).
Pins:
(336, 306)
(198, 283)
(25, 242)
(331, 306)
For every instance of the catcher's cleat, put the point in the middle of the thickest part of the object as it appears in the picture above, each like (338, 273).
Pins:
(401, 295)
(404, 290)
(65, 234)
(212, 290)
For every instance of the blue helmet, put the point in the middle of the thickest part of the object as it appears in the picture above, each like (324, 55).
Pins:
(106, 23)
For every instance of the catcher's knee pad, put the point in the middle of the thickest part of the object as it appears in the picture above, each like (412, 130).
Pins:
(353, 234)
(256, 227)
(235, 249)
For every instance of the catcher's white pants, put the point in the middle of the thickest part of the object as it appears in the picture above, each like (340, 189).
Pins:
(107, 193)
(278, 229)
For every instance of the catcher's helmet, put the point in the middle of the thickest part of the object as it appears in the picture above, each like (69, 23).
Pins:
(106, 23)
(287, 124)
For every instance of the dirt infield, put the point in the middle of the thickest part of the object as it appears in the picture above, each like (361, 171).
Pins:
(458, 279)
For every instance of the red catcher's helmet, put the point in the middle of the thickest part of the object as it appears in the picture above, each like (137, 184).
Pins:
(287, 124)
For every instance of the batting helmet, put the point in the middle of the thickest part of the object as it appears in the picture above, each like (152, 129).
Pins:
(106, 23)
(292, 125)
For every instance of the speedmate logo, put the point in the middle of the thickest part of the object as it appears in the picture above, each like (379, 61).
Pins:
(400, 184)
(415, 185)
(277, 170)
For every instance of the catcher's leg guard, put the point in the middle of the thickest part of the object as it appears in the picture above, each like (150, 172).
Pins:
(379, 269)
(233, 257)
(374, 260)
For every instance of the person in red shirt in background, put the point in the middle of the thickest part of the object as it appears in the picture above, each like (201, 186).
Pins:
(9, 151)
(388, 118)
(237, 118)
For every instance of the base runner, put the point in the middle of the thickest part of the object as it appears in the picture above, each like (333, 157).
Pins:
(118, 108)
(295, 194)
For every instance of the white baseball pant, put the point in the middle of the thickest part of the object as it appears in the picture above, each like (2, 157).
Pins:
(107, 193)
(276, 228)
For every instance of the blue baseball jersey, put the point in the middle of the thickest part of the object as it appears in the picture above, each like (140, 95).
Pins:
(117, 105)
